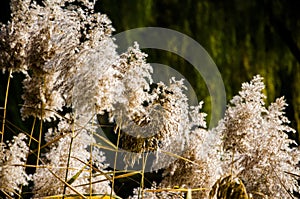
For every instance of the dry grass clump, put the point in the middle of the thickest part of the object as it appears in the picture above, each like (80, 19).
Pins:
(72, 73)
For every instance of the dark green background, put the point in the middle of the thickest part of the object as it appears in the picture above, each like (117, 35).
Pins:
(244, 38)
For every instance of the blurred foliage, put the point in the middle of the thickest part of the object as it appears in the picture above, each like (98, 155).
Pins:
(244, 38)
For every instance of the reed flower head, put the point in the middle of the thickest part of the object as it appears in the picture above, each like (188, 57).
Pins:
(76, 143)
(13, 157)
(58, 46)
(256, 146)
(199, 164)
(69, 59)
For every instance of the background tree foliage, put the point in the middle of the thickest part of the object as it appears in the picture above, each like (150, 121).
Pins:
(244, 38)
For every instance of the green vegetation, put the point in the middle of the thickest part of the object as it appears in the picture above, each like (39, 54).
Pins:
(243, 38)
